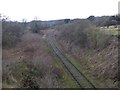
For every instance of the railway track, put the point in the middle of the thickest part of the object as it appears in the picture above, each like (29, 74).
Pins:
(71, 69)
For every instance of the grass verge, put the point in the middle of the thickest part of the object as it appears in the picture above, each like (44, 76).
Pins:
(69, 83)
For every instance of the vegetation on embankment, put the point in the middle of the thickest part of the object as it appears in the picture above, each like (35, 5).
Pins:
(24, 50)
(27, 61)
(95, 51)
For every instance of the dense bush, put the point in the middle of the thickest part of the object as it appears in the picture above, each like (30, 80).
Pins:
(97, 39)
(11, 32)
(35, 28)
(84, 34)
(28, 75)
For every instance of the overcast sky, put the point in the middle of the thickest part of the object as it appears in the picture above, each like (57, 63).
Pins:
(56, 9)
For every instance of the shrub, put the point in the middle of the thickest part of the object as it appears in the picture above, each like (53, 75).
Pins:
(11, 33)
(28, 75)
(35, 28)
(97, 39)
(83, 34)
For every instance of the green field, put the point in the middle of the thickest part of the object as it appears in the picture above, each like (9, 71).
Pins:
(113, 30)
